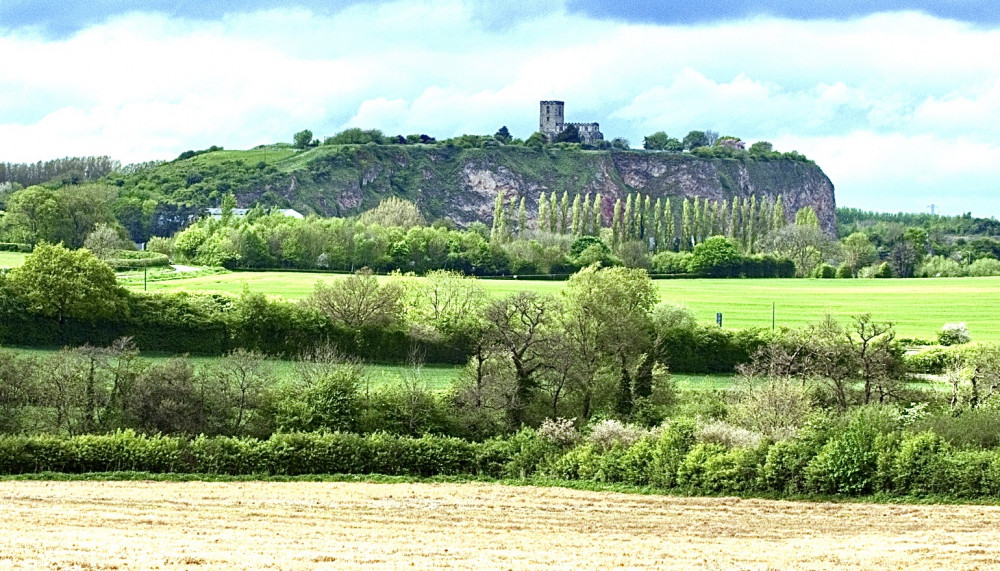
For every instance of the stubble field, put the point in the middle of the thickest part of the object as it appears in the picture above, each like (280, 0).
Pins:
(310, 525)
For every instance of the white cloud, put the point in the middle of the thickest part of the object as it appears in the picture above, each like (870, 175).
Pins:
(886, 104)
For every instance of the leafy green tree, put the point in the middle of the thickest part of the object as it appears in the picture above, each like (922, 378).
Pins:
(761, 148)
(570, 134)
(499, 231)
(303, 138)
(619, 301)
(360, 301)
(103, 241)
(564, 213)
(543, 213)
(356, 136)
(716, 257)
(598, 208)
(778, 220)
(576, 222)
(656, 142)
(617, 227)
(553, 213)
(695, 139)
(522, 220)
(620, 143)
(858, 252)
(806, 216)
(394, 212)
(61, 283)
(503, 135)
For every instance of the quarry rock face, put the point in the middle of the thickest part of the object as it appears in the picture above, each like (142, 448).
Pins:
(462, 184)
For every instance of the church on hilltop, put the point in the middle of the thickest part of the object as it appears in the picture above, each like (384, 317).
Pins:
(550, 123)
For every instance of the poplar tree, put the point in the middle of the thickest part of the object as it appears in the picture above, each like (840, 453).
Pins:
(553, 213)
(724, 218)
(763, 218)
(543, 213)
(649, 220)
(745, 223)
(778, 215)
(564, 213)
(511, 220)
(616, 223)
(522, 220)
(627, 218)
(587, 222)
(598, 207)
(734, 221)
(577, 216)
(669, 226)
(657, 232)
(499, 231)
(687, 223)
(752, 224)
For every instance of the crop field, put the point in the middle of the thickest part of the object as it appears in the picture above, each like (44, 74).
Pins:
(322, 525)
(918, 307)
(11, 259)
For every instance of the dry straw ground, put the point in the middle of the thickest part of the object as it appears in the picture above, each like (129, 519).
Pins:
(161, 525)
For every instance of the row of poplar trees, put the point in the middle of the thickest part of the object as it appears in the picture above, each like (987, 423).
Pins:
(663, 224)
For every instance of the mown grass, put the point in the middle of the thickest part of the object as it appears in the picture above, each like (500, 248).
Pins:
(11, 259)
(918, 307)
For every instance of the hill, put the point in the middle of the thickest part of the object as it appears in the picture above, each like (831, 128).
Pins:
(448, 181)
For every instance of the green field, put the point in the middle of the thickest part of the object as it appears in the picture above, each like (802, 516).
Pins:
(435, 377)
(918, 307)
(11, 259)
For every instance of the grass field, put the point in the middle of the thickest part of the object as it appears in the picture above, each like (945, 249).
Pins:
(324, 525)
(435, 377)
(11, 259)
(919, 307)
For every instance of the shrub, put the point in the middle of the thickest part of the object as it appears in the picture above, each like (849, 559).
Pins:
(669, 450)
(844, 271)
(884, 270)
(940, 267)
(825, 271)
(133, 259)
(917, 464)
(671, 262)
(716, 257)
(728, 435)
(984, 267)
(15, 247)
(559, 431)
(848, 463)
(929, 362)
(953, 334)
(606, 434)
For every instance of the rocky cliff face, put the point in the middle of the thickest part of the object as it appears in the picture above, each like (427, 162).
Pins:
(463, 184)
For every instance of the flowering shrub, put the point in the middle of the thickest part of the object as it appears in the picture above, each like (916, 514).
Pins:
(560, 431)
(953, 334)
(605, 434)
(728, 435)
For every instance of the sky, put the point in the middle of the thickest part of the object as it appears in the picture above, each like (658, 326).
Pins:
(898, 101)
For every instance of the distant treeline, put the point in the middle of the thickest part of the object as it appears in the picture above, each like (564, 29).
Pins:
(850, 220)
(72, 170)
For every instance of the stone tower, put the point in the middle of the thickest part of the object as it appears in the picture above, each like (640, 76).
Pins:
(550, 117)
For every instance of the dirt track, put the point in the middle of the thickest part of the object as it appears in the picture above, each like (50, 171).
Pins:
(157, 525)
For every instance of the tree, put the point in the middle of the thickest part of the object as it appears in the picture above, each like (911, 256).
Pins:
(656, 142)
(570, 134)
(858, 252)
(695, 139)
(303, 138)
(394, 212)
(103, 241)
(806, 216)
(61, 283)
(517, 332)
(619, 301)
(716, 257)
(761, 148)
(806, 245)
(522, 219)
(503, 135)
(360, 301)
(620, 143)
(543, 213)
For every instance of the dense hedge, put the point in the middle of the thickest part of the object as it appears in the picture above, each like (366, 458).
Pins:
(15, 247)
(214, 324)
(859, 456)
(132, 259)
(708, 349)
